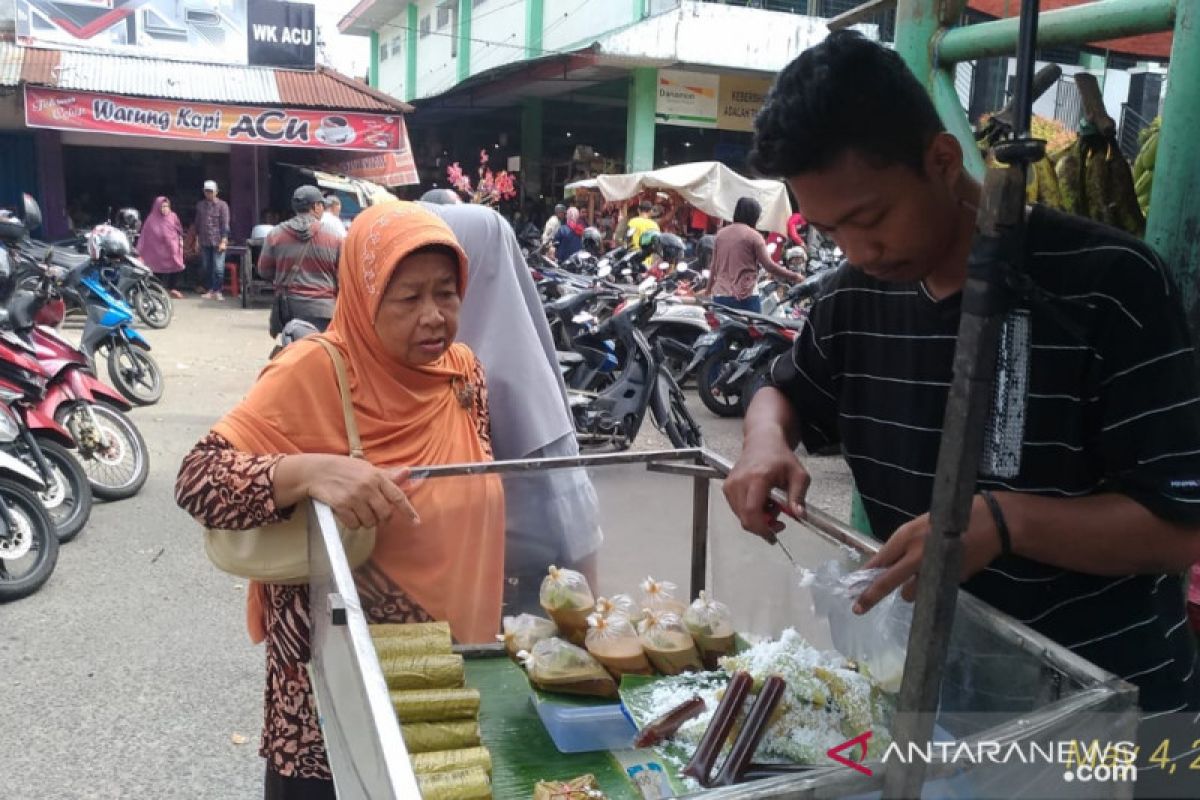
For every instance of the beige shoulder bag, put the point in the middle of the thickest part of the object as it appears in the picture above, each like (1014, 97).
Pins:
(278, 553)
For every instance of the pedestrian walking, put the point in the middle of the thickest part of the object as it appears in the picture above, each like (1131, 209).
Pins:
(161, 244)
(738, 253)
(212, 236)
(301, 257)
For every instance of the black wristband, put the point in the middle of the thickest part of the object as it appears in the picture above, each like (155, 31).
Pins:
(1001, 524)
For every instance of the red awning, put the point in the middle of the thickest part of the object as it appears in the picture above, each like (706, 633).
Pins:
(1151, 46)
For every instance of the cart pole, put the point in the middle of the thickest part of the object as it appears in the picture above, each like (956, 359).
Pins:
(699, 535)
(987, 299)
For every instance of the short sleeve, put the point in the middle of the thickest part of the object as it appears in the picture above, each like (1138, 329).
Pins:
(1149, 401)
(805, 376)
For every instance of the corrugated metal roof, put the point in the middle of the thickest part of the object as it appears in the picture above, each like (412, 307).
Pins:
(176, 80)
(11, 59)
(40, 66)
(326, 88)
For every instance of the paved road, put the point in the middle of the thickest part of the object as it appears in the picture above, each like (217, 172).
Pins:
(130, 675)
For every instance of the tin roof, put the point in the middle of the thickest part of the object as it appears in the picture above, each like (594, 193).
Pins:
(185, 80)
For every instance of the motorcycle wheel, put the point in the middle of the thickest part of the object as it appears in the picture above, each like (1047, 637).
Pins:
(153, 305)
(29, 549)
(68, 500)
(672, 417)
(118, 468)
(135, 373)
(723, 404)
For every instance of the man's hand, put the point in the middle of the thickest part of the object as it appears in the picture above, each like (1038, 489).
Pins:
(221, 247)
(766, 463)
(902, 555)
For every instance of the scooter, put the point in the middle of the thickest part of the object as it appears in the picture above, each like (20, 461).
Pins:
(28, 542)
(130, 279)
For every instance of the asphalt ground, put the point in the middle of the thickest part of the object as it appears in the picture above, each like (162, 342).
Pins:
(130, 675)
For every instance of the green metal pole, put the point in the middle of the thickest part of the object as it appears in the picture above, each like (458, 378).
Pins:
(464, 40)
(639, 121)
(373, 73)
(410, 54)
(1174, 225)
(535, 18)
(1090, 22)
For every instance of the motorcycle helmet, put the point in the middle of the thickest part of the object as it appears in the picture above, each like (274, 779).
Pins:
(592, 241)
(795, 257)
(128, 219)
(106, 242)
(648, 243)
(670, 247)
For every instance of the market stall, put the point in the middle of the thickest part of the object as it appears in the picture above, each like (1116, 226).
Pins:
(501, 735)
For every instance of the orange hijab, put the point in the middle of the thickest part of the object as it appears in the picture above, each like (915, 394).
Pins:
(452, 562)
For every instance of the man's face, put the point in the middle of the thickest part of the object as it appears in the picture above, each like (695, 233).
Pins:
(318, 210)
(891, 222)
(210, 194)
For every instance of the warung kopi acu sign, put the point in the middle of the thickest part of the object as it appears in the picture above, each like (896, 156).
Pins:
(178, 119)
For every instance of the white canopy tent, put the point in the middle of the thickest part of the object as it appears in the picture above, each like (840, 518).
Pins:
(710, 186)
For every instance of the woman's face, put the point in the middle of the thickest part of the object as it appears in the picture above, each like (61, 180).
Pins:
(418, 315)
(165, 208)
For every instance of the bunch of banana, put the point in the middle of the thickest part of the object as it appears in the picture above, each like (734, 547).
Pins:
(1095, 181)
(1143, 165)
(1042, 186)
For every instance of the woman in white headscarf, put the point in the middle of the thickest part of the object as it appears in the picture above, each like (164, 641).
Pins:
(552, 517)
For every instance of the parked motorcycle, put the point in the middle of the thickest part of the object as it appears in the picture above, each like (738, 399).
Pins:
(127, 276)
(28, 542)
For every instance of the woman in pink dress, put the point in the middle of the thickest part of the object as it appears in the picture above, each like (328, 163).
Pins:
(161, 244)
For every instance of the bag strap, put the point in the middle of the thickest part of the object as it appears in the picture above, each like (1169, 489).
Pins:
(339, 366)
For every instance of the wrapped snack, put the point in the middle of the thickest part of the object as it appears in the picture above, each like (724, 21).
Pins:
(558, 666)
(668, 644)
(582, 788)
(568, 600)
(396, 646)
(413, 630)
(711, 625)
(614, 643)
(453, 760)
(429, 737)
(463, 784)
(621, 604)
(659, 596)
(423, 672)
(523, 631)
(435, 705)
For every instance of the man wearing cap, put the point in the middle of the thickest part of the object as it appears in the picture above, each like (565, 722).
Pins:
(554, 223)
(212, 235)
(301, 256)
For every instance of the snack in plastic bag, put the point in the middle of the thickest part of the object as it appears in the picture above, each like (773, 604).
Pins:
(558, 666)
(568, 600)
(710, 622)
(668, 644)
(523, 631)
(582, 788)
(659, 596)
(614, 643)
(877, 640)
(621, 604)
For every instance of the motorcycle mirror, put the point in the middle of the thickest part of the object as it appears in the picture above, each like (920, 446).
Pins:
(33, 212)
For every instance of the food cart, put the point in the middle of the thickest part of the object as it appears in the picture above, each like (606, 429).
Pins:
(1003, 682)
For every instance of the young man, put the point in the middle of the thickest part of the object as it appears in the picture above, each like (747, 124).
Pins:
(212, 236)
(1105, 513)
(738, 253)
(642, 224)
(301, 256)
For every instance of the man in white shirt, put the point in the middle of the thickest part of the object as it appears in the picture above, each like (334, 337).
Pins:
(333, 214)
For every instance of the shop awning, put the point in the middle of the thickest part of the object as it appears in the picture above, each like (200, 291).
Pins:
(710, 186)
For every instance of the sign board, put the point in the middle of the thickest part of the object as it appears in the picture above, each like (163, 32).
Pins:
(230, 124)
(209, 30)
(281, 34)
(686, 98)
(394, 168)
(740, 101)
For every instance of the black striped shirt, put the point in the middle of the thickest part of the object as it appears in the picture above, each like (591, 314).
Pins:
(1113, 407)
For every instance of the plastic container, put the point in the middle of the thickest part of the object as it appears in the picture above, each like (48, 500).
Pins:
(584, 728)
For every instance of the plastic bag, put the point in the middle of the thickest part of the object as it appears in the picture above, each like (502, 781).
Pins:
(567, 598)
(621, 604)
(659, 596)
(878, 640)
(710, 622)
(614, 643)
(558, 666)
(523, 631)
(668, 644)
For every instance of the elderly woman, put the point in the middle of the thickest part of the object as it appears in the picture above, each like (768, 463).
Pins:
(418, 399)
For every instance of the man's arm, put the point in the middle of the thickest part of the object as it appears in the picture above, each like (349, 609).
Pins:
(766, 262)
(768, 461)
(266, 261)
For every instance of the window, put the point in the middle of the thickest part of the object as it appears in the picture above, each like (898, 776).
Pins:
(384, 50)
(424, 26)
(443, 19)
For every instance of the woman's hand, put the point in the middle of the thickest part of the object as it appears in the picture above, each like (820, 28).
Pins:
(361, 495)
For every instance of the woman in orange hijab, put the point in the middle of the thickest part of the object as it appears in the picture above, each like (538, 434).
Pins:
(419, 399)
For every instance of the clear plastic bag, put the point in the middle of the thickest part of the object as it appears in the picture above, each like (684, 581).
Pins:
(567, 598)
(668, 644)
(615, 644)
(710, 622)
(558, 666)
(523, 631)
(659, 596)
(877, 640)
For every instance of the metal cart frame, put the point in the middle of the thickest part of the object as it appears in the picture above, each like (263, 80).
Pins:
(366, 750)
